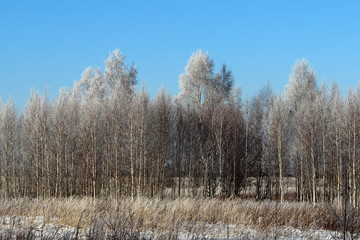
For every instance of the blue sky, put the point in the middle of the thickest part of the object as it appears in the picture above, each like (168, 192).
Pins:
(47, 44)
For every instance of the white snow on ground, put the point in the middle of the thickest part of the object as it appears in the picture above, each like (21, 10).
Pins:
(219, 232)
(38, 228)
(34, 228)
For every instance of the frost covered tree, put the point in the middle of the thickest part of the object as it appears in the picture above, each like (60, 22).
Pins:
(337, 120)
(196, 79)
(260, 108)
(309, 140)
(353, 127)
(222, 84)
(117, 77)
(92, 84)
(302, 85)
(61, 132)
(117, 127)
(35, 130)
(163, 127)
(144, 141)
(322, 112)
(8, 133)
(90, 114)
(104, 138)
(101, 94)
(299, 93)
(205, 97)
(137, 144)
(275, 138)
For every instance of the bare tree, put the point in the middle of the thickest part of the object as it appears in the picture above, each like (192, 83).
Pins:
(275, 138)
(299, 92)
(336, 144)
(163, 126)
(8, 148)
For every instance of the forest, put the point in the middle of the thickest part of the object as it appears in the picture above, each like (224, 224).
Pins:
(106, 138)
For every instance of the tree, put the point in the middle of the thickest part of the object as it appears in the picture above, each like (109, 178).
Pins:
(309, 139)
(196, 80)
(36, 133)
(61, 132)
(222, 85)
(259, 110)
(336, 128)
(353, 128)
(8, 148)
(276, 136)
(322, 112)
(117, 77)
(90, 141)
(300, 91)
(302, 85)
(91, 85)
(179, 144)
(162, 142)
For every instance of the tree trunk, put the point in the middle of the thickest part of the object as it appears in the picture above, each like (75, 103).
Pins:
(280, 161)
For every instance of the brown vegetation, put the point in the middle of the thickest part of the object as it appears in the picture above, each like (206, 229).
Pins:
(163, 215)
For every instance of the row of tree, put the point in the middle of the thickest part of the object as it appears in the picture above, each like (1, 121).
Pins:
(105, 138)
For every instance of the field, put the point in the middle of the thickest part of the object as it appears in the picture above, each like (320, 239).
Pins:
(185, 218)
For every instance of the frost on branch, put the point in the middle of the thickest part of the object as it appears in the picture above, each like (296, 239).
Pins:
(196, 78)
(117, 77)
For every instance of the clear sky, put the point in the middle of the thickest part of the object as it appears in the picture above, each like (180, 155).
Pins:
(47, 44)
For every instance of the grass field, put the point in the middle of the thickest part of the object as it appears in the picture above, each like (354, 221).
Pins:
(129, 218)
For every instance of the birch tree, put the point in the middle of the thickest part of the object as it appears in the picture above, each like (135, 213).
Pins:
(36, 127)
(8, 148)
(300, 91)
(61, 132)
(163, 126)
(118, 75)
(275, 138)
(336, 144)
(196, 79)
(352, 126)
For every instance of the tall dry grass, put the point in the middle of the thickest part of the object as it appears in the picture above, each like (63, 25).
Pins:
(171, 216)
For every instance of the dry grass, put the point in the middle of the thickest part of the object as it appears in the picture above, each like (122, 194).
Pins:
(141, 214)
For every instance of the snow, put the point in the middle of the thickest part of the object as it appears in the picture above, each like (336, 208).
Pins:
(34, 228)
(37, 228)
